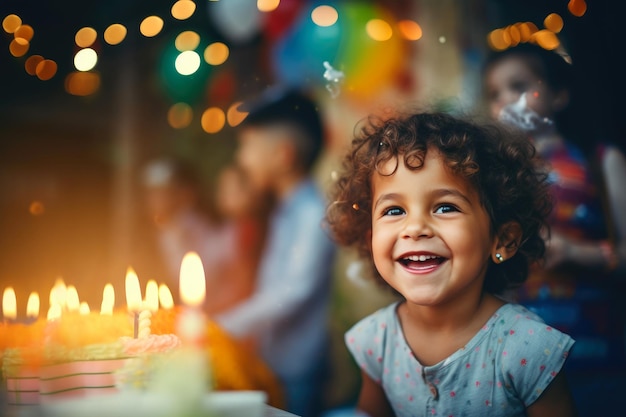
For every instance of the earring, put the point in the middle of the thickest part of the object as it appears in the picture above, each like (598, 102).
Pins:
(499, 257)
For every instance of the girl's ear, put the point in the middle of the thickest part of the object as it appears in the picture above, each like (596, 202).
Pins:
(508, 239)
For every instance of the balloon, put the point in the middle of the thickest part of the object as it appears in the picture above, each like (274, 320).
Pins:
(298, 56)
(305, 52)
(278, 21)
(237, 20)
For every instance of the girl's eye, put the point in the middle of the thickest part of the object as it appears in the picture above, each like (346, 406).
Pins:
(393, 211)
(445, 208)
(520, 86)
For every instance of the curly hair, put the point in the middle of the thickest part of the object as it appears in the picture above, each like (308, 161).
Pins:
(499, 163)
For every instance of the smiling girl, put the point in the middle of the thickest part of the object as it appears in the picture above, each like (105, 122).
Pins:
(449, 212)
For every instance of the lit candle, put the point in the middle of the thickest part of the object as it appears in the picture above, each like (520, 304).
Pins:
(71, 299)
(108, 300)
(32, 306)
(165, 297)
(58, 293)
(9, 305)
(192, 325)
(54, 312)
(133, 297)
(84, 309)
(152, 296)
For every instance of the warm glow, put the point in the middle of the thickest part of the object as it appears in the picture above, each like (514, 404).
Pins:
(410, 29)
(216, 53)
(133, 291)
(36, 208)
(499, 39)
(108, 300)
(85, 59)
(234, 116)
(267, 5)
(192, 280)
(577, 7)
(213, 120)
(72, 302)
(183, 9)
(514, 34)
(151, 26)
(165, 297)
(46, 69)
(25, 32)
(58, 293)
(546, 39)
(379, 30)
(32, 306)
(84, 308)
(526, 30)
(187, 41)
(31, 64)
(11, 23)
(80, 83)
(179, 115)
(85, 37)
(324, 15)
(115, 34)
(187, 62)
(553, 22)
(54, 312)
(152, 296)
(9, 304)
(18, 47)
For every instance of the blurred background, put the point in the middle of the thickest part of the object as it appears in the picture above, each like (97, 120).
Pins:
(90, 92)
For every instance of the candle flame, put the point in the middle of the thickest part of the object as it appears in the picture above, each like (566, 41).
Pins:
(192, 280)
(133, 291)
(84, 308)
(165, 297)
(32, 306)
(58, 293)
(152, 296)
(72, 301)
(9, 304)
(108, 300)
(54, 312)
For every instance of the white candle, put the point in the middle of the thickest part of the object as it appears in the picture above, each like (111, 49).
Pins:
(192, 323)
(133, 298)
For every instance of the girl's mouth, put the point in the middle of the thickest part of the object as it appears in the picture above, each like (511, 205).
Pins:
(421, 263)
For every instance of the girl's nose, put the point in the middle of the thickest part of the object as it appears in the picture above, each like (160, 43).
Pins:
(417, 227)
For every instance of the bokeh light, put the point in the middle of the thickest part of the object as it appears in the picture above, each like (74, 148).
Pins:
(82, 83)
(115, 34)
(11, 22)
(46, 69)
(577, 7)
(187, 41)
(36, 208)
(267, 5)
(410, 29)
(18, 47)
(85, 37)
(324, 16)
(216, 53)
(553, 22)
(85, 59)
(526, 30)
(213, 120)
(379, 30)
(546, 39)
(179, 115)
(151, 26)
(183, 9)
(31, 64)
(498, 39)
(187, 62)
(25, 32)
(234, 116)
(514, 34)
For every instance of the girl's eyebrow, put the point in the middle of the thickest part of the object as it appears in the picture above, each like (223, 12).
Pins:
(386, 197)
